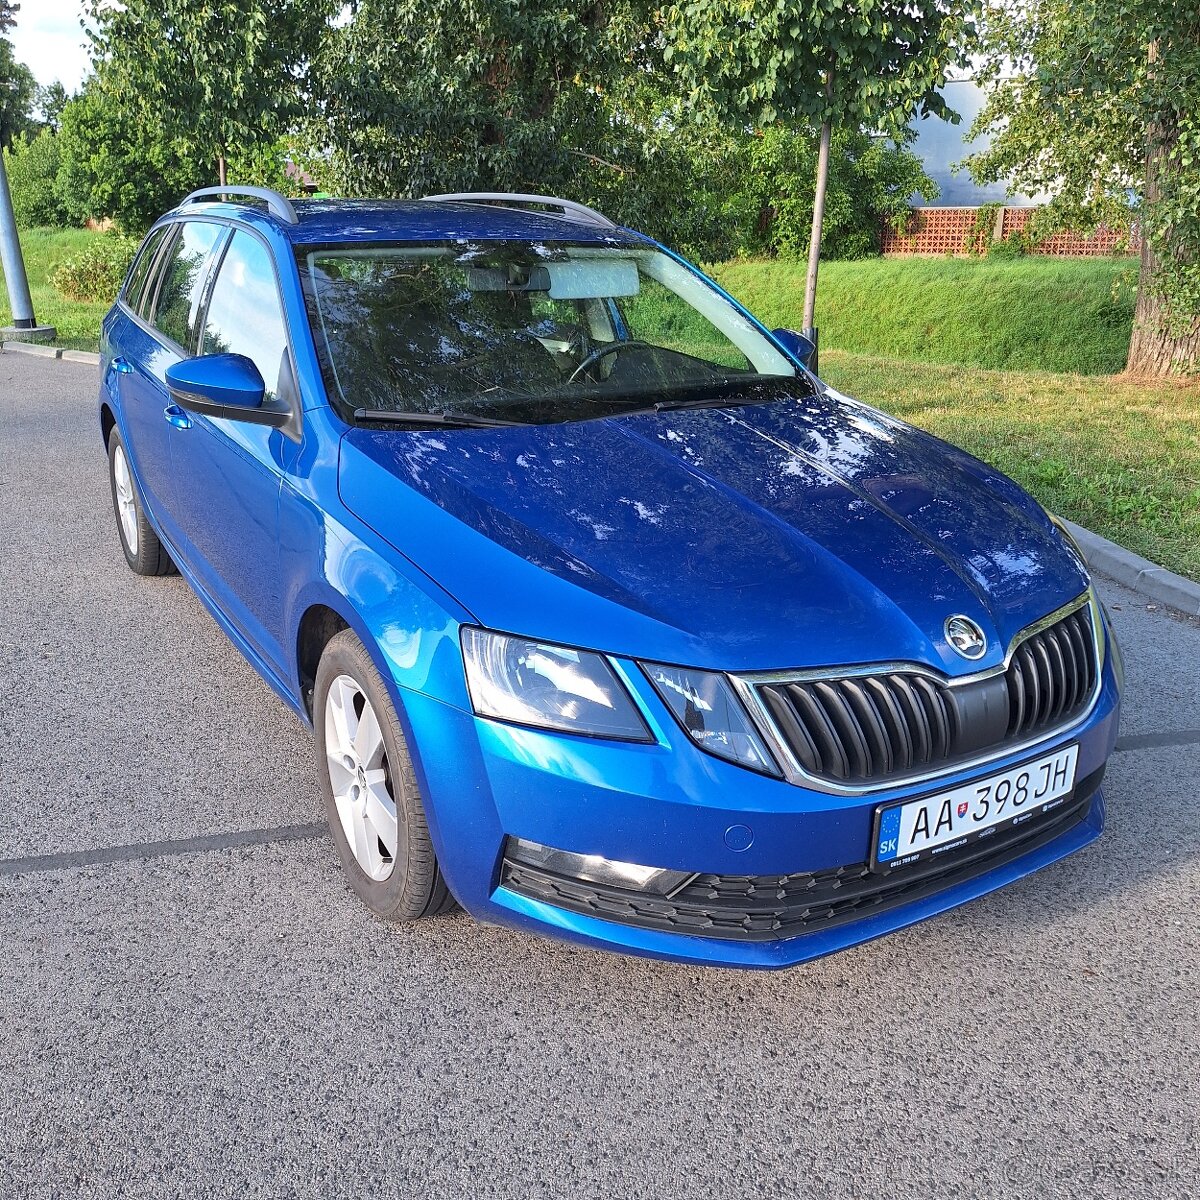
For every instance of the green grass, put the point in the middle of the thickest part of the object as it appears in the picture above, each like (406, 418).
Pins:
(1030, 314)
(78, 324)
(1120, 457)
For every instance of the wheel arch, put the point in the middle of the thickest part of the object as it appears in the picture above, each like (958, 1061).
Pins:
(108, 421)
(317, 627)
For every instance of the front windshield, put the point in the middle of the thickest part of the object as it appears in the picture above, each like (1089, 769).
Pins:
(527, 331)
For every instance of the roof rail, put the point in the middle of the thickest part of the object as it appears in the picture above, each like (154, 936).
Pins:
(278, 205)
(571, 210)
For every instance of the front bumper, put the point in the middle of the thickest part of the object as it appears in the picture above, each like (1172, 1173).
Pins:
(669, 805)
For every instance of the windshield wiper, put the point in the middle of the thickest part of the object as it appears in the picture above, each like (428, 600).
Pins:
(708, 402)
(459, 420)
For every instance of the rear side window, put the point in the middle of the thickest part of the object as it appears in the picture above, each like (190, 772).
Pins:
(182, 287)
(245, 315)
(136, 293)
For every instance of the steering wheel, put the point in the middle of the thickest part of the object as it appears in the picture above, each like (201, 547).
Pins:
(590, 360)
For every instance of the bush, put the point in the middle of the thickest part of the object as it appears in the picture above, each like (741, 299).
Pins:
(870, 181)
(112, 167)
(32, 166)
(96, 274)
(1008, 248)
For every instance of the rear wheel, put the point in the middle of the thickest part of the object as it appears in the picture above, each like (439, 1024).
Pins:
(374, 807)
(143, 551)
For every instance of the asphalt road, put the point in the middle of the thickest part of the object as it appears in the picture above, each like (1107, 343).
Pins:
(212, 1014)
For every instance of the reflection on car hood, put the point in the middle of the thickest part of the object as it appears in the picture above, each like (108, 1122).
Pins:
(807, 531)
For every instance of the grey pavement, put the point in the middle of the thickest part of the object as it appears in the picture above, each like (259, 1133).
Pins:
(219, 1017)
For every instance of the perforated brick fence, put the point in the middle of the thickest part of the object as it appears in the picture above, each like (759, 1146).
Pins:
(944, 231)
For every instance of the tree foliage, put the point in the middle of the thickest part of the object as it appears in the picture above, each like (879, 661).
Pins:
(217, 77)
(870, 182)
(545, 96)
(765, 60)
(17, 85)
(429, 95)
(49, 101)
(1097, 103)
(113, 165)
(32, 165)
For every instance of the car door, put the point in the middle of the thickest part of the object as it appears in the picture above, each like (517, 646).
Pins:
(156, 334)
(228, 473)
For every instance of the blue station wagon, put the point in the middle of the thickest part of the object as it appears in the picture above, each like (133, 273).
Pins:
(611, 620)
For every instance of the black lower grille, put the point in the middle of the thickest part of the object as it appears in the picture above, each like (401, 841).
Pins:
(769, 907)
(868, 728)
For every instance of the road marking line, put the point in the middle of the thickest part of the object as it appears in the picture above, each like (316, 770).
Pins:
(1148, 741)
(195, 845)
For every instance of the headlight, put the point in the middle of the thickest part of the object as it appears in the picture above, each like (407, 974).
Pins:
(705, 704)
(551, 687)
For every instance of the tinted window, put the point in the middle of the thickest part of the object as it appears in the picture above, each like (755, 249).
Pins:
(244, 314)
(179, 294)
(135, 288)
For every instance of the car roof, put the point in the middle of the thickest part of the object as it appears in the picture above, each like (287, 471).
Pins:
(321, 222)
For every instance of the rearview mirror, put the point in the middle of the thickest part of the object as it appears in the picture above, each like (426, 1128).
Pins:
(796, 344)
(223, 385)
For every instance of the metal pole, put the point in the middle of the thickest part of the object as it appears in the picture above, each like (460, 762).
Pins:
(23, 320)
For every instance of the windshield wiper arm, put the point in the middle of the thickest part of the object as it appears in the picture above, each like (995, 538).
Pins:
(460, 420)
(704, 402)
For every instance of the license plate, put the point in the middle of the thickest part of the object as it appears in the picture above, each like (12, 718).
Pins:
(934, 825)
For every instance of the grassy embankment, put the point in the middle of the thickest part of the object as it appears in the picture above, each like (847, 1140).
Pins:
(1027, 315)
(78, 324)
(917, 337)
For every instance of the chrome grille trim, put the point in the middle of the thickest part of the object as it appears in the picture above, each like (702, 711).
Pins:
(748, 687)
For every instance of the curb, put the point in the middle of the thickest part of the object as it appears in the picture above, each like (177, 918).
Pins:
(36, 350)
(1160, 585)
(33, 348)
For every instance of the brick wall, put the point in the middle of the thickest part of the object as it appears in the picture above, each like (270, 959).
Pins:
(943, 231)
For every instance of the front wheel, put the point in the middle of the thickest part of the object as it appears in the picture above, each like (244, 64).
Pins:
(374, 807)
(144, 553)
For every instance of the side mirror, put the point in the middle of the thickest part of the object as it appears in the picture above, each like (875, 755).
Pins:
(796, 344)
(223, 385)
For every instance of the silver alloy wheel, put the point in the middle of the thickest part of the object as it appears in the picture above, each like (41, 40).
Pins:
(356, 757)
(126, 503)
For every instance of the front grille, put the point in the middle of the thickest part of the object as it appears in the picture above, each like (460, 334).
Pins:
(866, 728)
(768, 907)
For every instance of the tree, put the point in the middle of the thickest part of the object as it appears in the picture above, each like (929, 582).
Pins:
(443, 95)
(850, 64)
(1096, 102)
(17, 84)
(220, 78)
(871, 181)
(32, 166)
(113, 165)
(49, 102)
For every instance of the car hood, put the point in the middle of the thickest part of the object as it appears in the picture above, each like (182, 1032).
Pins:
(808, 531)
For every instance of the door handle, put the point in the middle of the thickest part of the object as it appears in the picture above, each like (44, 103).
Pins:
(119, 365)
(177, 417)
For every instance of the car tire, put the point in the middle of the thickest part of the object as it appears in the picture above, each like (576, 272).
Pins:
(370, 789)
(144, 552)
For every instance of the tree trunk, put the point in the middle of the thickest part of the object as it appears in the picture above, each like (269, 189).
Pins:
(1158, 347)
(221, 170)
(814, 241)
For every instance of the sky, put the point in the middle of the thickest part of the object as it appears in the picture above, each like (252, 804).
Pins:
(940, 144)
(49, 40)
